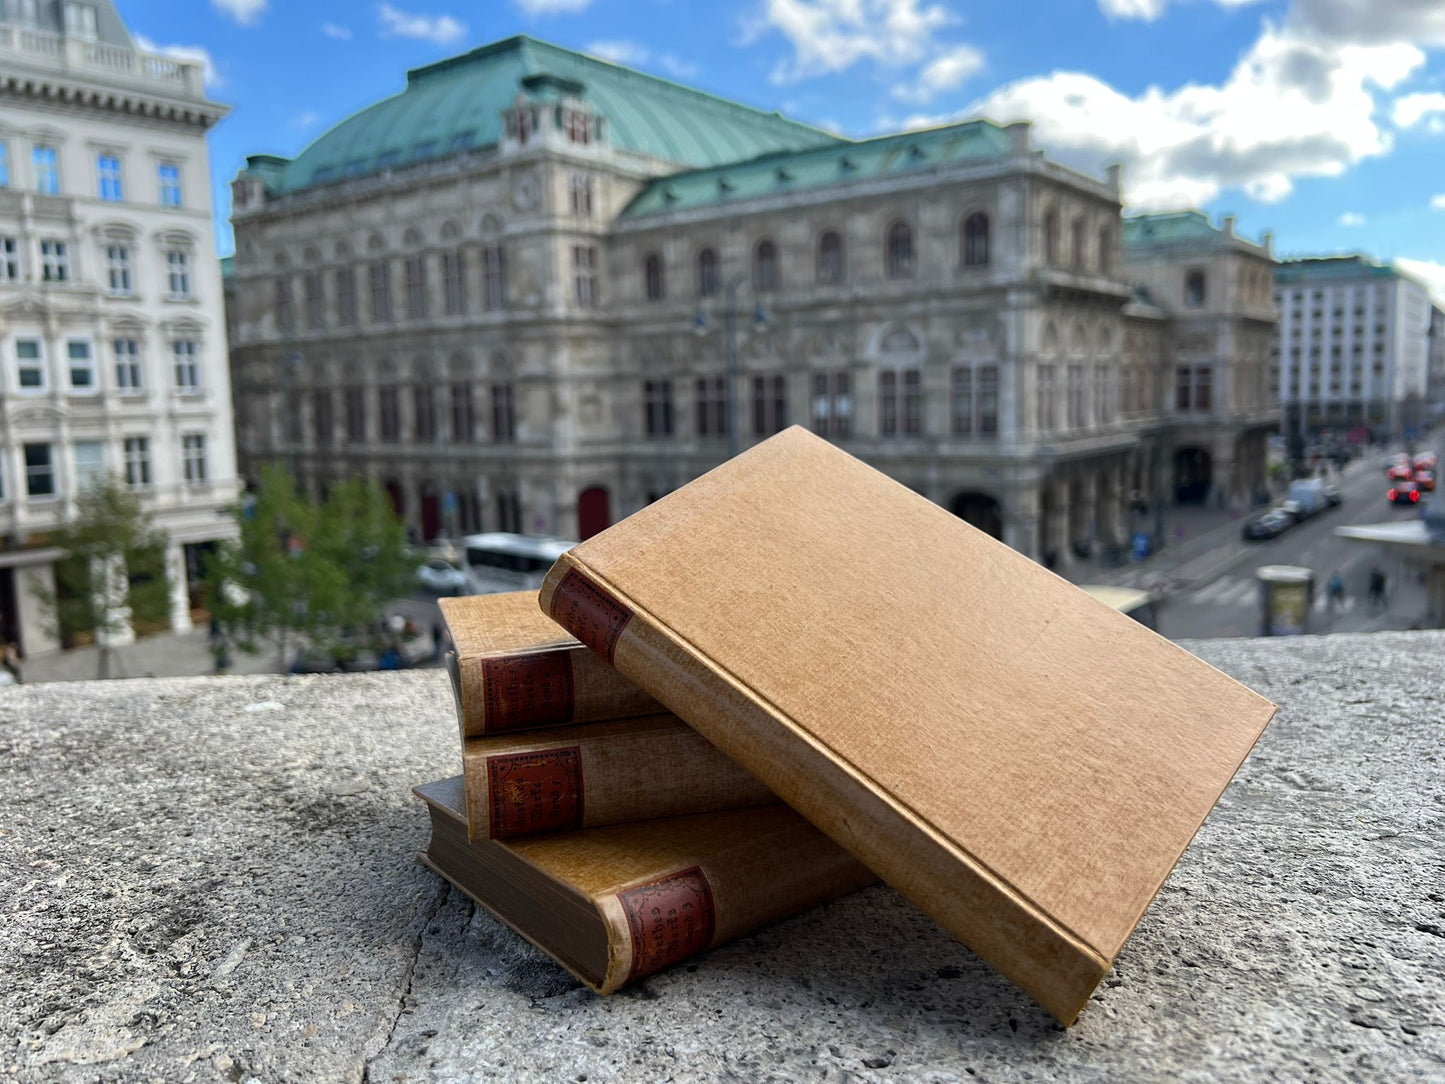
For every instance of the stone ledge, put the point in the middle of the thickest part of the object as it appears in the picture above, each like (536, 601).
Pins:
(215, 879)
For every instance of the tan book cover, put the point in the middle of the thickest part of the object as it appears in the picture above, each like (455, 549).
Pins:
(616, 904)
(515, 670)
(594, 774)
(1021, 761)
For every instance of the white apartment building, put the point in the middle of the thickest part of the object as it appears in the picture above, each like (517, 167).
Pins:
(1353, 347)
(112, 327)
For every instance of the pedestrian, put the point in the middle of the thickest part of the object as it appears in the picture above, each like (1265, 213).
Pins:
(437, 635)
(10, 658)
(1336, 593)
(1377, 587)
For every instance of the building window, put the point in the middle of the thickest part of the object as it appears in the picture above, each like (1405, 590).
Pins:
(117, 263)
(454, 282)
(80, 21)
(504, 417)
(107, 168)
(988, 400)
(178, 275)
(322, 422)
(9, 260)
(389, 413)
(315, 293)
(509, 513)
(962, 401)
(581, 189)
(494, 276)
(188, 371)
(464, 421)
(1106, 249)
(1194, 289)
(1203, 389)
(381, 292)
(82, 365)
(54, 261)
(356, 415)
(416, 299)
(193, 458)
(708, 282)
(900, 402)
(975, 240)
(584, 275)
(29, 365)
(169, 175)
(765, 266)
(47, 170)
(127, 366)
(346, 297)
(1078, 246)
(1075, 419)
(653, 283)
(1051, 237)
(833, 404)
(900, 251)
(710, 413)
(1183, 385)
(39, 471)
(424, 412)
(285, 306)
(657, 395)
(137, 462)
(830, 259)
(89, 464)
(770, 405)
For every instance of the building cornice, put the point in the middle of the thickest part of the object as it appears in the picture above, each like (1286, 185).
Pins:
(64, 91)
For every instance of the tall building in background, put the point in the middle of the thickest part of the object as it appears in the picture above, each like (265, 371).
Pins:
(112, 329)
(1353, 347)
(535, 291)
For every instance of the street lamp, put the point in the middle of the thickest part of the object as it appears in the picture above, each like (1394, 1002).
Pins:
(730, 331)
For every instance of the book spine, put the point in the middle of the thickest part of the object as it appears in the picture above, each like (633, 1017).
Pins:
(504, 694)
(603, 773)
(1051, 964)
(701, 906)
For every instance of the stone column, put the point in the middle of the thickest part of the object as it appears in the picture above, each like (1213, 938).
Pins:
(1083, 505)
(1058, 524)
(1022, 520)
(180, 588)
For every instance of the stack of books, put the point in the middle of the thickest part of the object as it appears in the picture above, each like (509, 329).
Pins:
(1022, 762)
(596, 824)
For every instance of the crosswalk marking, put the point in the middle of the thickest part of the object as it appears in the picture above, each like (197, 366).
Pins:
(1244, 591)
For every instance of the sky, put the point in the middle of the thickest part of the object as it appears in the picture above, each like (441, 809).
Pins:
(1321, 120)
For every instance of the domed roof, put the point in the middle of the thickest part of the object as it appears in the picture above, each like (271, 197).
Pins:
(457, 104)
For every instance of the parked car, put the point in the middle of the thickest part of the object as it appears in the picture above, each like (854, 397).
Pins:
(1266, 525)
(1334, 495)
(1293, 509)
(1401, 469)
(1425, 479)
(1404, 493)
(442, 577)
(1309, 494)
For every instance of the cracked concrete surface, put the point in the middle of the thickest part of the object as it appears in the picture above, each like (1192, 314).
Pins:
(215, 879)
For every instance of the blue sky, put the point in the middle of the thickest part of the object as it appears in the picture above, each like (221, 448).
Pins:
(1323, 120)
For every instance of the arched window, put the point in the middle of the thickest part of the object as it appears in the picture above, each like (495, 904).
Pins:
(1106, 249)
(707, 277)
(1078, 243)
(1051, 236)
(900, 251)
(1194, 289)
(765, 266)
(830, 259)
(652, 276)
(975, 240)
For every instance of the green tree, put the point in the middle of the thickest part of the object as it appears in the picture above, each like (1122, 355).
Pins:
(310, 574)
(112, 577)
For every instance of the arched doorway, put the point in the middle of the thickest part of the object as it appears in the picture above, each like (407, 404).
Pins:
(979, 510)
(594, 513)
(393, 491)
(1193, 475)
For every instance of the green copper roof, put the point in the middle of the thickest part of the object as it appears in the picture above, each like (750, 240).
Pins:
(1317, 268)
(1142, 231)
(822, 167)
(457, 104)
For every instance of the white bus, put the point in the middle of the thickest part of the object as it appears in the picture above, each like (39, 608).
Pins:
(498, 561)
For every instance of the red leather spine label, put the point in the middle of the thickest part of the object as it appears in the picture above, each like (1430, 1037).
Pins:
(670, 919)
(532, 792)
(525, 691)
(589, 613)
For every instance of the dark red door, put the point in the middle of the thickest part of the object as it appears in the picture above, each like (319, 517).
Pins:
(431, 516)
(593, 512)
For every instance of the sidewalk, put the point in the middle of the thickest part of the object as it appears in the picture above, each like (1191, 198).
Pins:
(166, 654)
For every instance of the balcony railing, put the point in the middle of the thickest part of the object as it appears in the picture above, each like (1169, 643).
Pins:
(162, 73)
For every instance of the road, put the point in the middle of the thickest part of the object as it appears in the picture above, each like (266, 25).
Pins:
(1226, 602)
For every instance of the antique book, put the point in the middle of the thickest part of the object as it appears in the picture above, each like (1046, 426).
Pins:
(593, 774)
(515, 670)
(616, 904)
(1021, 761)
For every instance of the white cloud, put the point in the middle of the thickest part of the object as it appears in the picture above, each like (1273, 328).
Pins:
(620, 52)
(1352, 218)
(552, 7)
(307, 118)
(1438, 202)
(677, 67)
(245, 12)
(831, 36)
(438, 29)
(195, 54)
(337, 31)
(1429, 272)
(1410, 109)
(1148, 10)
(945, 72)
(1294, 106)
